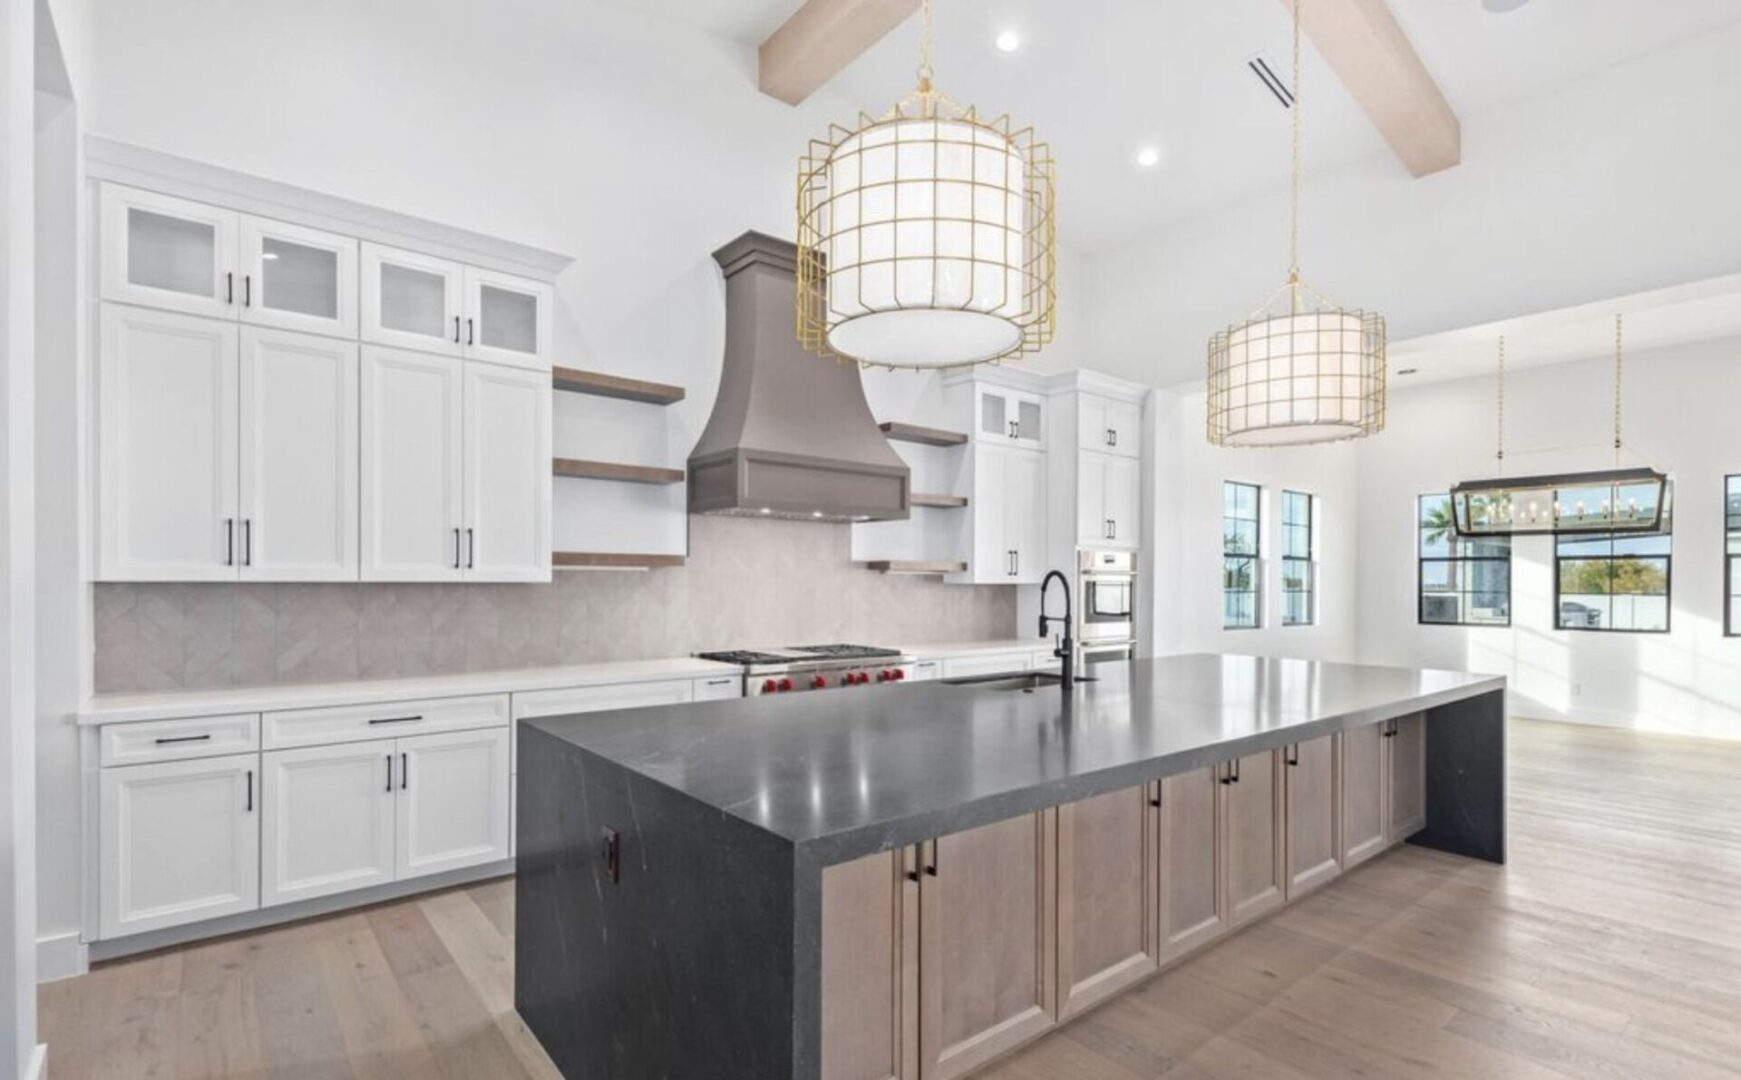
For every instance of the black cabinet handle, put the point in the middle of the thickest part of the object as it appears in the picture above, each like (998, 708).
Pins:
(404, 770)
(168, 739)
(247, 290)
(229, 287)
(917, 853)
(247, 541)
(250, 791)
(229, 541)
(395, 719)
(470, 336)
(932, 868)
(471, 550)
(389, 772)
(456, 329)
(1155, 799)
(457, 561)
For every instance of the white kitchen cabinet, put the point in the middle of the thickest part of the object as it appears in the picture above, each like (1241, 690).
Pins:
(1108, 497)
(327, 820)
(1006, 518)
(452, 801)
(297, 278)
(299, 458)
(1005, 415)
(718, 688)
(168, 253)
(179, 842)
(166, 447)
(412, 419)
(412, 301)
(507, 319)
(968, 667)
(507, 473)
(1108, 425)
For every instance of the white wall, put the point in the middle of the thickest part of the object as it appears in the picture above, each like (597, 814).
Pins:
(1680, 417)
(1606, 186)
(1186, 561)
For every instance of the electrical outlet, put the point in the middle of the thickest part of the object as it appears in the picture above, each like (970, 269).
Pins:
(1577, 689)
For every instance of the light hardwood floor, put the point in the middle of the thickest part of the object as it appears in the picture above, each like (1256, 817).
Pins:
(1610, 946)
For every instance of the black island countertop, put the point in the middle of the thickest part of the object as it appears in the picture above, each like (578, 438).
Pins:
(849, 772)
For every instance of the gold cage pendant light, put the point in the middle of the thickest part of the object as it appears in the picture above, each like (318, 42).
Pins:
(1311, 372)
(926, 236)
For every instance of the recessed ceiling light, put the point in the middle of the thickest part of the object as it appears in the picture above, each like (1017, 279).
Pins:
(1148, 157)
(1009, 41)
(1500, 7)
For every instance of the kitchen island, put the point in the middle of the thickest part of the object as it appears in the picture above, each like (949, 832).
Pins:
(909, 881)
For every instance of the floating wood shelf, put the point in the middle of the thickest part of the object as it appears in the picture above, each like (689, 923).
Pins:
(570, 560)
(916, 566)
(952, 501)
(610, 470)
(930, 436)
(614, 386)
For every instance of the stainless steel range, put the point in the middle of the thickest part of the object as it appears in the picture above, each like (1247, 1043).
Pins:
(814, 667)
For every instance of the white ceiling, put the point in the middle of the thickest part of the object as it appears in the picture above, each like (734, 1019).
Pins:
(1100, 78)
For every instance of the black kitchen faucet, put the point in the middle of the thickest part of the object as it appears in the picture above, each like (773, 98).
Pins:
(1066, 650)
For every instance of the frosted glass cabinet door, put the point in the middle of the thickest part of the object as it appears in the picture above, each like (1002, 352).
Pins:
(412, 301)
(507, 319)
(507, 474)
(411, 446)
(299, 457)
(297, 278)
(166, 447)
(167, 253)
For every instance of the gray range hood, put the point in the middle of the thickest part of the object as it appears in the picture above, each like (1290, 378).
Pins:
(790, 435)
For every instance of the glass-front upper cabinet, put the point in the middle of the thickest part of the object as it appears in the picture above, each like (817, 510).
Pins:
(1011, 415)
(297, 278)
(167, 253)
(413, 301)
(507, 319)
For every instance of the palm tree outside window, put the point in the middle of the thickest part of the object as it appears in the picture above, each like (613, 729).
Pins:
(1463, 580)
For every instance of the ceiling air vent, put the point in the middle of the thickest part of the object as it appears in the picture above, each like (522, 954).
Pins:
(1265, 69)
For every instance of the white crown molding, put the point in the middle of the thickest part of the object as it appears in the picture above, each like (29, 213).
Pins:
(999, 375)
(138, 166)
(1084, 380)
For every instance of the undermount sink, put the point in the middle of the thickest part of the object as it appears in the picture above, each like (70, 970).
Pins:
(1027, 684)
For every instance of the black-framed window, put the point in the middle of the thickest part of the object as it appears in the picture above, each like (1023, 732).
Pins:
(1463, 580)
(1732, 556)
(1241, 556)
(1299, 560)
(1615, 582)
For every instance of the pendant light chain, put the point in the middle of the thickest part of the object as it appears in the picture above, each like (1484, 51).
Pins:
(1617, 374)
(1294, 193)
(1501, 454)
(925, 70)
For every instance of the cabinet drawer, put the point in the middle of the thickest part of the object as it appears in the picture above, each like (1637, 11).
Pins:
(719, 688)
(926, 671)
(579, 699)
(178, 740)
(351, 723)
(966, 667)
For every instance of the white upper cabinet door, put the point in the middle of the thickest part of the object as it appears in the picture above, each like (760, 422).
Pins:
(167, 253)
(1093, 526)
(179, 842)
(327, 819)
(993, 553)
(1108, 425)
(453, 801)
(507, 319)
(166, 447)
(412, 301)
(299, 457)
(1013, 416)
(1025, 515)
(507, 473)
(1124, 422)
(411, 448)
(1123, 501)
(298, 279)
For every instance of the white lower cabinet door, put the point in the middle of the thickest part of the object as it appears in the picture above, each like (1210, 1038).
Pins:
(453, 801)
(327, 819)
(507, 473)
(180, 842)
(411, 473)
(1123, 501)
(299, 457)
(166, 447)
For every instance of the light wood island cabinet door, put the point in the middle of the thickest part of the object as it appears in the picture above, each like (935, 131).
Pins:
(1314, 847)
(1106, 895)
(987, 942)
(1365, 793)
(1408, 777)
(1252, 821)
(1191, 880)
(870, 968)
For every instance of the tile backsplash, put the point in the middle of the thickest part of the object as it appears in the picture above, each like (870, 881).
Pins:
(748, 582)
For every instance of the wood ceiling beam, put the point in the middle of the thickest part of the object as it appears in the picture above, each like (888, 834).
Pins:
(1364, 45)
(820, 39)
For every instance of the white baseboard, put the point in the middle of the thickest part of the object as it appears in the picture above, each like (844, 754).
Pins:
(37, 1067)
(61, 956)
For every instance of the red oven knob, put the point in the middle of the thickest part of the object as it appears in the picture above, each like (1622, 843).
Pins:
(785, 684)
(898, 674)
(863, 678)
(769, 686)
(818, 682)
(883, 675)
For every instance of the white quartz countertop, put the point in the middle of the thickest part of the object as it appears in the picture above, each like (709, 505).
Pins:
(977, 648)
(117, 708)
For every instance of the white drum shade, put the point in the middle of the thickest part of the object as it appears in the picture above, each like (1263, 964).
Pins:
(1301, 377)
(925, 242)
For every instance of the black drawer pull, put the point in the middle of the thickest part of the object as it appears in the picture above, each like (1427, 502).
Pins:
(165, 740)
(395, 719)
